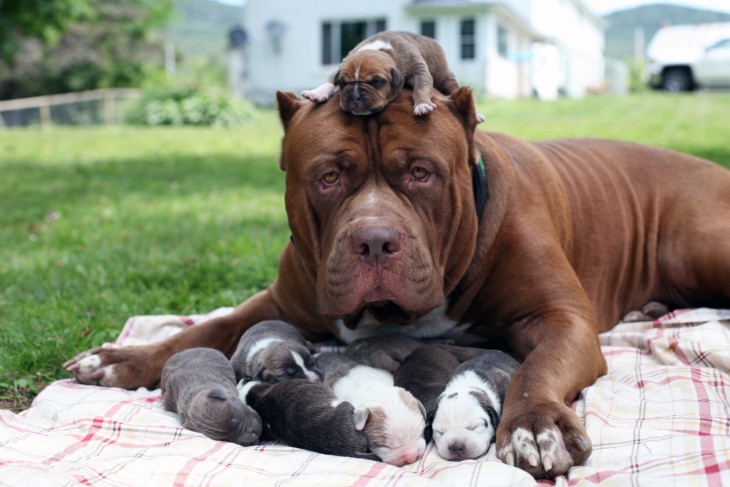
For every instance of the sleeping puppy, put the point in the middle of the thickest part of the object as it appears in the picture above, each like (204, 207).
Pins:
(469, 409)
(374, 73)
(382, 351)
(272, 351)
(395, 419)
(199, 385)
(302, 414)
(425, 374)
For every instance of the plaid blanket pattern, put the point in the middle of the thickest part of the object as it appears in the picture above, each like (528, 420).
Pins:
(661, 416)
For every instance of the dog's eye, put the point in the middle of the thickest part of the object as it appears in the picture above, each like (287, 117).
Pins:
(419, 173)
(331, 177)
(437, 433)
(377, 83)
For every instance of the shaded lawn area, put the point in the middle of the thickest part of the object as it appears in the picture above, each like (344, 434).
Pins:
(99, 224)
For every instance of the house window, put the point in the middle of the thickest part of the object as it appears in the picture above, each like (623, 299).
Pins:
(339, 37)
(428, 28)
(502, 42)
(468, 39)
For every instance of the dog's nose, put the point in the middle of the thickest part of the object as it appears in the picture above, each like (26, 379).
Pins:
(457, 448)
(375, 244)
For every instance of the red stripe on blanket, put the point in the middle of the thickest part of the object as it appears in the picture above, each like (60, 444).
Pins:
(707, 443)
(182, 476)
(365, 478)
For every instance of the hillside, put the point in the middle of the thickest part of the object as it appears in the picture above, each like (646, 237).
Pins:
(200, 27)
(621, 25)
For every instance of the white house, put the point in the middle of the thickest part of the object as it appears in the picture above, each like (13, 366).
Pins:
(507, 49)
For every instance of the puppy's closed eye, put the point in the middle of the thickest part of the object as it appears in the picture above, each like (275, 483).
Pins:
(377, 82)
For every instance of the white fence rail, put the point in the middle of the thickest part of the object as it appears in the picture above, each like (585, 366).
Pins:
(94, 107)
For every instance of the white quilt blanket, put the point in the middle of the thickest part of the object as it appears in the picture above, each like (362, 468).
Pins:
(661, 416)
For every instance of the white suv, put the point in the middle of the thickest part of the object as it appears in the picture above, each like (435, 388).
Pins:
(685, 57)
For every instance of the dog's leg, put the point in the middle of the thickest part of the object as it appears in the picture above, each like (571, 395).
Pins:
(538, 432)
(422, 84)
(320, 94)
(141, 366)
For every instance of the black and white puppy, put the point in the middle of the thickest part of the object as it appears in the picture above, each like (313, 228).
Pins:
(302, 414)
(425, 373)
(395, 420)
(386, 351)
(199, 385)
(272, 351)
(469, 409)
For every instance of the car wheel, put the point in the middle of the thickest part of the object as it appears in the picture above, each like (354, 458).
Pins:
(676, 80)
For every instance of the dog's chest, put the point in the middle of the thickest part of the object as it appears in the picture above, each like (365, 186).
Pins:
(431, 325)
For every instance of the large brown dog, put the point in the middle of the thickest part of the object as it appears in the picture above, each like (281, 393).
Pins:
(573, 234)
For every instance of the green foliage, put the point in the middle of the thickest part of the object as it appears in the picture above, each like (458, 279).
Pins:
(45, 20)
(187, 106)
(109, 46)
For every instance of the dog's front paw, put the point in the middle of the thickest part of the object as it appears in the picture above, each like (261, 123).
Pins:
(128, 367)
(545, 441)
(423, 108)
(320, 94)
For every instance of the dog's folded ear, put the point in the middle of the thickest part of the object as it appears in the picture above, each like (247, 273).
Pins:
(218, 392)
(397, 80)
(289, 104)
(360, 418)
(461, 104)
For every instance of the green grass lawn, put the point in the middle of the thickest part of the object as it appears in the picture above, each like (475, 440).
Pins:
(99, 224)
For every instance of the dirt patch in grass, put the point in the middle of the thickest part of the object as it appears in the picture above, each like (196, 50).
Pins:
(15, 404)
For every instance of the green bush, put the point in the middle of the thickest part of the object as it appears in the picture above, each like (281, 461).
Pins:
(185, 106)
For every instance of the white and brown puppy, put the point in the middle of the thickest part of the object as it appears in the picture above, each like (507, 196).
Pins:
(375, 71)
(469, 409)
(301, 413)
(386, 351)
(272, 351)
(425, 373)
(199, 385)
(395, 420)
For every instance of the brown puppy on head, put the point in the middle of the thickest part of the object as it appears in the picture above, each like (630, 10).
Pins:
(374, 73)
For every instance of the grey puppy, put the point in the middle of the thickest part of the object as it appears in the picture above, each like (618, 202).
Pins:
(272, 351)
(382, 351)
(199, 385)
(301, 413)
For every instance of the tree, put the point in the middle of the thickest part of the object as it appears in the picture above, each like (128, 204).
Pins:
(110, 44)
(44, 20)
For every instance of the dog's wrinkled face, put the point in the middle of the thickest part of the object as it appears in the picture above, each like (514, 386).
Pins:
(465, 421)
(285, 361)
(368, 80)
(381, 208)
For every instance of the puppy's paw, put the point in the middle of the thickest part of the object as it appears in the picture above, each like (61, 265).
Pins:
(480, 118)
(128, 367)
(320, 94)
(423, 108)
(545, 442)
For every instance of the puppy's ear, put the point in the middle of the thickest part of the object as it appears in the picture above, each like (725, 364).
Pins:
(289, 104)
(461, 104)
(336, 80)
(396, 80)
(360, 418)
(259, 375)
(493, 416)
(423, 410)
(218, 392)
